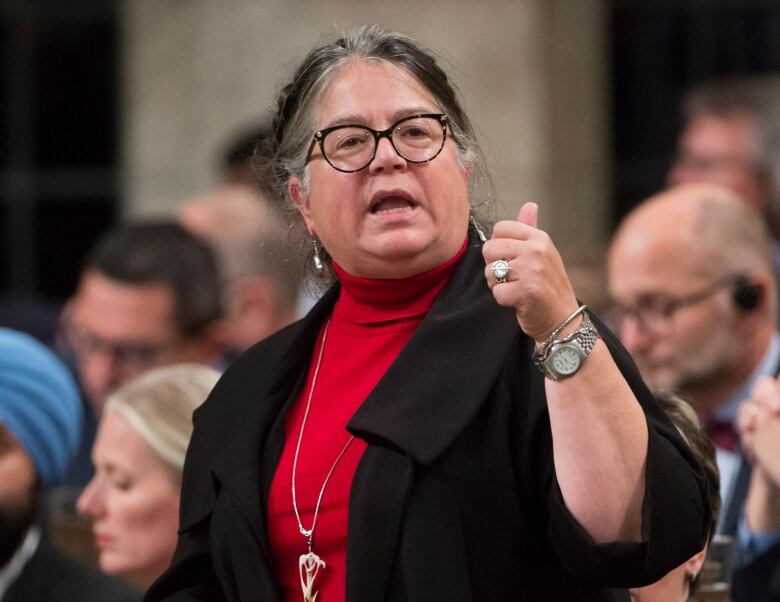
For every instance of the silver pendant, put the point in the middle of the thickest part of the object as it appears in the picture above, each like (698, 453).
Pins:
(309, 566)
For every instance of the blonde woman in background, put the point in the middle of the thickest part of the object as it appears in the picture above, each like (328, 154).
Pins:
(133, 499)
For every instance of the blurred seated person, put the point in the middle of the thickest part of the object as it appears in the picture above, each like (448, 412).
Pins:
(251, 242)
(758, 577)
(40, 427)
(133, 499)
(149, 295)
(730, 136)
(681, 582)
(238, 157)
(696, 306)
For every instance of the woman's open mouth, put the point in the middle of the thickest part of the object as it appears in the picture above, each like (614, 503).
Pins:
(389, 202)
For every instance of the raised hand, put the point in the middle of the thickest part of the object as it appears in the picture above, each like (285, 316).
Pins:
(536, 284)
(759, 427)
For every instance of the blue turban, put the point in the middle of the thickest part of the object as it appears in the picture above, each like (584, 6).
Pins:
(39, 404)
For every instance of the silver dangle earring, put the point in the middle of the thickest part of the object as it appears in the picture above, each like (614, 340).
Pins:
(318, 266)
(479, 230)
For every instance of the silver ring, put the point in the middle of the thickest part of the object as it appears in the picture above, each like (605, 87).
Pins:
(500, 269)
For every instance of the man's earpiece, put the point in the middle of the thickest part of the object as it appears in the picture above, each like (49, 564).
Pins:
(747, 294)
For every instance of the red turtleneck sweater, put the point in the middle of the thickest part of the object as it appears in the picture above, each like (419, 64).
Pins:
(371, 322)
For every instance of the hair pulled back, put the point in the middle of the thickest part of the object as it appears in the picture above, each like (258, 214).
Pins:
(294, 121)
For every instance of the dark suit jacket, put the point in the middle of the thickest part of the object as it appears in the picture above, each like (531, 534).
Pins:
(758, 581)
(455, 497)
(733, 507)
(51, 576)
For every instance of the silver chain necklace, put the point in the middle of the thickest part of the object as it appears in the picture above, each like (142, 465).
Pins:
(309, 564)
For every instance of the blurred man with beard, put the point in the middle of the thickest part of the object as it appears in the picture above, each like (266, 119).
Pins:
(40, 426)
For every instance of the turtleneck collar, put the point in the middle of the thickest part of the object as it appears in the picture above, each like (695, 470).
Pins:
(373, 301)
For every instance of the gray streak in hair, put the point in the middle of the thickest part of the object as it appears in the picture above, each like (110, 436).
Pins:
(296, 109)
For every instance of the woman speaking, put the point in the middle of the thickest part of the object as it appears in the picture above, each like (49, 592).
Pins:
(447, 423)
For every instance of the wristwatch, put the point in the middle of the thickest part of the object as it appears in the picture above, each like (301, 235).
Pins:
(559, 359)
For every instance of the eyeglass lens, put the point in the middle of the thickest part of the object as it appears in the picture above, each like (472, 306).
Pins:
(351, 148)
(131, 353)
(653, 315)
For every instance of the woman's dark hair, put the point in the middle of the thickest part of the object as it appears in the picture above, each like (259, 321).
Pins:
(294, 126)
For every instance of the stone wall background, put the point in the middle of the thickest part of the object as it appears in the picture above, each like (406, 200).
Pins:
(533, 75)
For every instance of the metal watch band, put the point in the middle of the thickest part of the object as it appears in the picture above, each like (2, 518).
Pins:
(584, 337)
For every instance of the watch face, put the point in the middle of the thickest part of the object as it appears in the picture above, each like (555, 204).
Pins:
(565, 360)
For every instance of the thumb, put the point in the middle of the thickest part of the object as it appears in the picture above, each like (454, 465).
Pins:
(527, 214)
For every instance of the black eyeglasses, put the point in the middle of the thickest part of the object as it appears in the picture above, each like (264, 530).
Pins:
(350, 148)
(131, 355)
(653, 314)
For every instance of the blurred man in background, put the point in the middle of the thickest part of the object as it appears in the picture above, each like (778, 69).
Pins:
(695, 299)
(149, 295)
(40, 427)
(731, 138)
(238, 164)
(691, 277)
(261, 279)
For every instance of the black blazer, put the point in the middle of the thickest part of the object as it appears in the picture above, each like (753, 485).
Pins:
(455, 497)
(51, 576)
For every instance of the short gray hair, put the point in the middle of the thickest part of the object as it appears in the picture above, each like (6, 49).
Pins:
(249, 237)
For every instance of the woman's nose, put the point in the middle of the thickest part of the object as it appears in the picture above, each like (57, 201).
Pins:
(386, 157)
(88, 503)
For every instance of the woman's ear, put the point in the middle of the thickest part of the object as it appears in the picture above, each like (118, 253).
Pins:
(695, 563)
(300, 198)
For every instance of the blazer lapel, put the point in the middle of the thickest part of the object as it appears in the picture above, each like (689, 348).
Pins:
(252, 444)
(444, 374)
(377, 500)
(238, 465)
(425, 400)
(416, 411)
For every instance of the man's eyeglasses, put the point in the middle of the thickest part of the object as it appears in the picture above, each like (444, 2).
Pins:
(129, 355)
(350, 148)
(653, 314)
